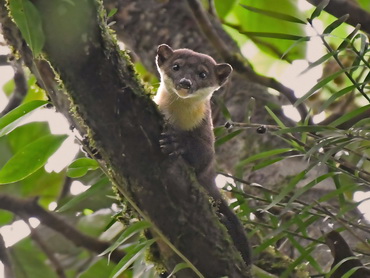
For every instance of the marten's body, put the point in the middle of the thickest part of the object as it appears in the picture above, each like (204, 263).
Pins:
(188, 80)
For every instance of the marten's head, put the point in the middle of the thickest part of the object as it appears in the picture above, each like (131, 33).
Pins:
(190, 74)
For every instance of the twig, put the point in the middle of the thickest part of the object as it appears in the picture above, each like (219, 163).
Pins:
(4, 60)
(30, 208)
(238, 63)
(339, 8)
(21, 87)
(49, 253)
(5, 259)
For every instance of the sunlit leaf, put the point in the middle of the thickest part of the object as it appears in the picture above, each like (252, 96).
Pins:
(29, 22)
(318, 86)
(30, 158)
(10, 121)
(134, 253)
(84, 195)
(275, 35)
(335, 24)
(320, 7)
(81, 166)
(350, 115)
(127, 234)
(276, 15)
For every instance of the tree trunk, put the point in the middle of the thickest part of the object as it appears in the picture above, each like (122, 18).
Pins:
(111, 108)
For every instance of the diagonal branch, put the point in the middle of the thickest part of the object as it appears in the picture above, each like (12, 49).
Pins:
(238, 63)
(31, 208)
(339, 8)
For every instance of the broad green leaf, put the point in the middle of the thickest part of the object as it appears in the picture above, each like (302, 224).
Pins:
(10, 121)
(268, 32)
(348, 116)
(81, 166)
(88, 193)
(335, 24)
(30, 260)
(29, 22)
(30, 158)
(276, 15)
(224, 7)
(127, 234)
(98, 270)
(319, 9)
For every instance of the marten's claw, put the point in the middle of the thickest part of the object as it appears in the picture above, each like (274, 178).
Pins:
(170, 145)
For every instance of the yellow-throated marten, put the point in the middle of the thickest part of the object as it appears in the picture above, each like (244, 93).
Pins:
(188, 80)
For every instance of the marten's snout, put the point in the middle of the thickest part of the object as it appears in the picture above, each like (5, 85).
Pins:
(185, 83)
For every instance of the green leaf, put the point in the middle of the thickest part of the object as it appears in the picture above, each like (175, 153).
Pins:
(319, 85)
(276, 15)
(134, 253)
(86, 194)
(30, 158)
(224, 7)
(177, 268)
(10, 121)
(262, 155)
(337, 95)
(348, 39)
(348, 116)
(275, 35)
(335, 24)
(127, 234)
(30, 260)
(287, 189)
(276, 119)
(228, 137)
(29, 22)
(81, 166)
(268, 28)
(112, 12)
(319, 9)
(319, 61)
(300, 129)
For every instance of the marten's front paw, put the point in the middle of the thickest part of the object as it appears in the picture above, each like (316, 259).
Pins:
(169, 144)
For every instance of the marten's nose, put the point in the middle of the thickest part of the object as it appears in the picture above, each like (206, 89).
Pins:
(185, 83)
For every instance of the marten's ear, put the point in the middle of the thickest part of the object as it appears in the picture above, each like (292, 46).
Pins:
(222, 72)
(163, 53)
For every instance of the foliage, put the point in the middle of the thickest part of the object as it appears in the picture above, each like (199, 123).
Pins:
(340, 143)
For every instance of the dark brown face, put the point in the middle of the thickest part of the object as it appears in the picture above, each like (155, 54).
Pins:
(189, 73)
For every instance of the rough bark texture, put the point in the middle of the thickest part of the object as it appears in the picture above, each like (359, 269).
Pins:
(110, 105)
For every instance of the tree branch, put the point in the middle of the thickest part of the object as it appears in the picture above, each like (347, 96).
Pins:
(238, 63)
(30, 208)
(339, 8)
(113, 107)
(5, 259)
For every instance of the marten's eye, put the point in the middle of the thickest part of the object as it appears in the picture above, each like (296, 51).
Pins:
(176, 67)
(203, 75)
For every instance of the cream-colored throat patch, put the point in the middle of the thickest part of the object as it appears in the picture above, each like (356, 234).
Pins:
(186, 114)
